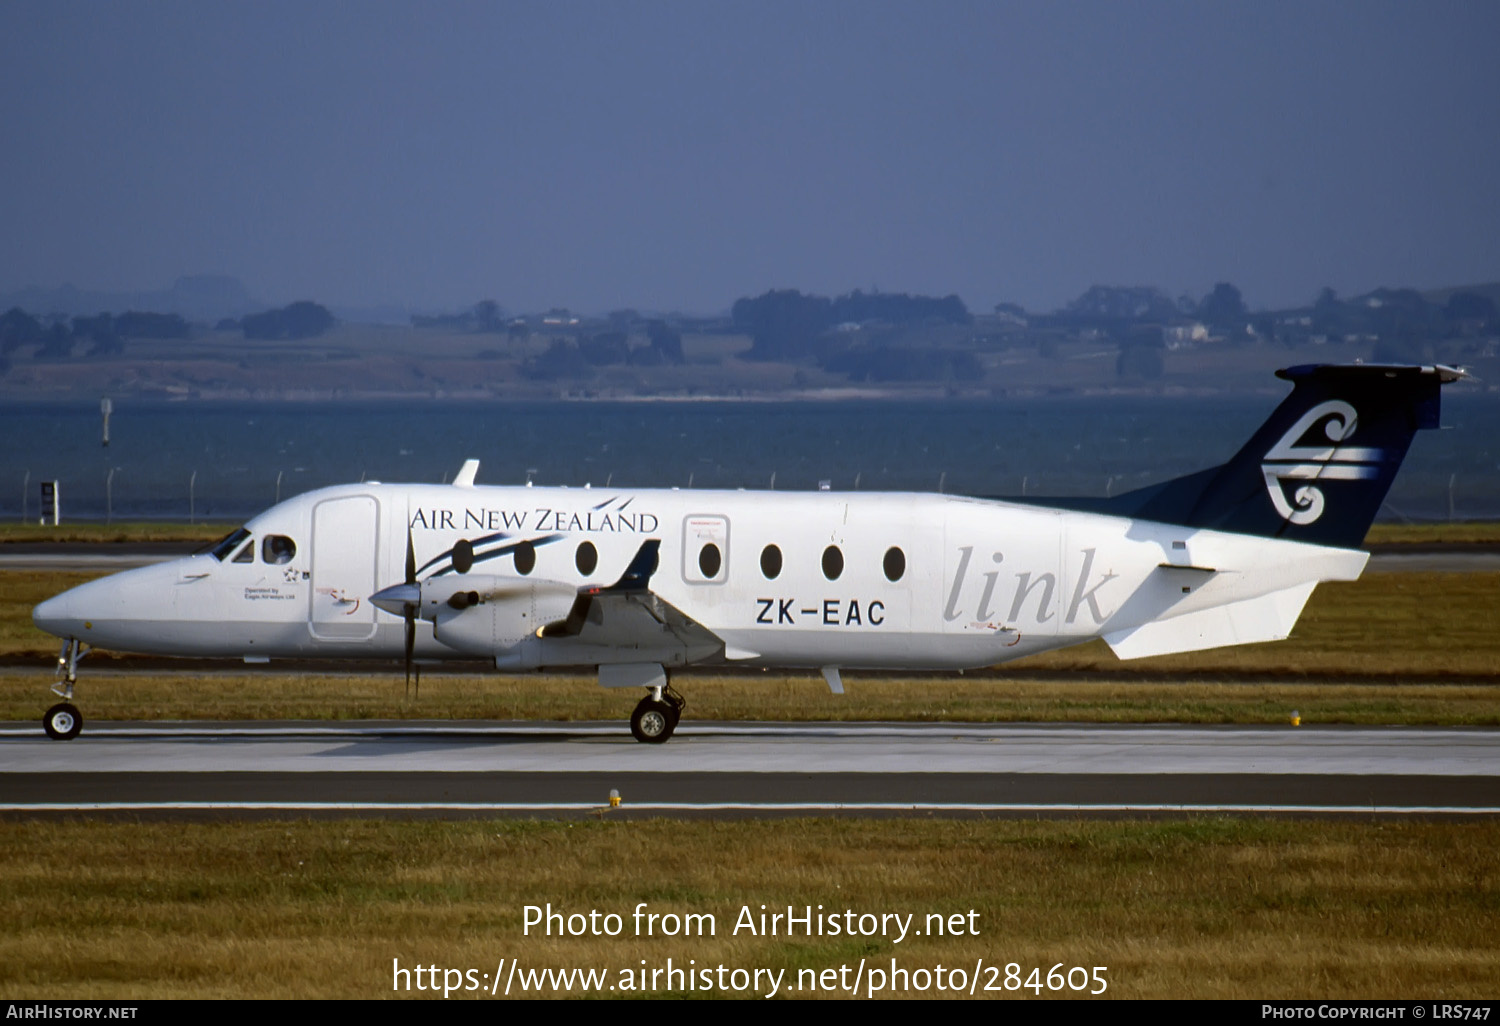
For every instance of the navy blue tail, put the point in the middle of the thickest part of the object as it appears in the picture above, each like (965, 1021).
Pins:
(1318, 469)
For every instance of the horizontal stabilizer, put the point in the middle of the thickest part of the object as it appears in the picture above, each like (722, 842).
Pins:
(1265, 618)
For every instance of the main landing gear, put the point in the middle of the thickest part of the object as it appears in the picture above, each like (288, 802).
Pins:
(63, 721)
(655, 718)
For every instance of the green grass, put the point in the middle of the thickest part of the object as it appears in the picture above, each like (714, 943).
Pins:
(1199, 908)
(115, 533)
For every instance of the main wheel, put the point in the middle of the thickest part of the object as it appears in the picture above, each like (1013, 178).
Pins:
(653, 721)
(62, 722)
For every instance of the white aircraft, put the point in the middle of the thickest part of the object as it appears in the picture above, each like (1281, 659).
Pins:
(638, 582)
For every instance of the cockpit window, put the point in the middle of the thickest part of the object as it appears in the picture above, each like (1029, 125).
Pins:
(245, 555)
(277, 549)
(226, 545)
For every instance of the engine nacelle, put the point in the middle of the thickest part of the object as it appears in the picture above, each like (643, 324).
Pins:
(492, 616)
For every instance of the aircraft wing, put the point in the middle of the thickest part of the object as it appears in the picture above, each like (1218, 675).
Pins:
(628, 616)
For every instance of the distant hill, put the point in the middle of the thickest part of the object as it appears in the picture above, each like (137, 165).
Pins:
(196, 297)
(1440, 296)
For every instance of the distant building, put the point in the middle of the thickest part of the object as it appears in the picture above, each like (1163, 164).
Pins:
(1186, 334)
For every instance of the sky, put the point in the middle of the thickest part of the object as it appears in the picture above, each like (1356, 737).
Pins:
(679, 155)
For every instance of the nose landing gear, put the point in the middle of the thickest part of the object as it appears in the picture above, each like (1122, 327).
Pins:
(655, 718)
(63, 721)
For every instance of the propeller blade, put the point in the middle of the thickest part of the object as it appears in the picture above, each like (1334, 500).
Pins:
(411, 644)
(411, 597)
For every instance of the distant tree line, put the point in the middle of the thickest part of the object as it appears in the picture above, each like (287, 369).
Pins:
(1401, 321)
(105, 334)
(300, 320)
(486, 316)
(567, 358)
(864, 336)
(784, 324)
(1402, 324)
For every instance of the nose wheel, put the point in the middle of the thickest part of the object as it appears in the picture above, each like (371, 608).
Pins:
(63, 722)
(655, 718)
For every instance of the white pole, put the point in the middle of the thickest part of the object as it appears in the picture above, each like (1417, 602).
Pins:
(192, 484)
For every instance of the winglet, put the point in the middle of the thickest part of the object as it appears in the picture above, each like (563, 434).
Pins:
(637, 576)
(465, 476)
(635, 580)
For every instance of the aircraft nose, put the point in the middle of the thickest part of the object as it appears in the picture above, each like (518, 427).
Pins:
(53, 615)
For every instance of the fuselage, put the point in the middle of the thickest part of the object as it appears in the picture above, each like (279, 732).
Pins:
(852, 580)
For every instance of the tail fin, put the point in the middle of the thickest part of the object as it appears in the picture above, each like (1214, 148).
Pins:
(1319, 468)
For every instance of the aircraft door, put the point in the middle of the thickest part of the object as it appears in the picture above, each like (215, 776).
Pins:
(705, 548)
(344, 546)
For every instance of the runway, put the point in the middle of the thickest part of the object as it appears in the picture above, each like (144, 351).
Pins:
(746, 769)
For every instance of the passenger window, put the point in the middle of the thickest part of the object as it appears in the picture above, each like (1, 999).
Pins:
(894, 564)
(463, 556)
(525, 557)
(245, 555)
(587, 559)
(833, 562)
(709, 560)
(770, 562)
(277, 549)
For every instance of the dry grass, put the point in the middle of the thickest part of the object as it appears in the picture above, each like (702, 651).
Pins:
(1456, 533)
(1390, 625)
(1203, 908)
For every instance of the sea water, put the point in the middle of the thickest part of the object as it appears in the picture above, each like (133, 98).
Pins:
(229, 460)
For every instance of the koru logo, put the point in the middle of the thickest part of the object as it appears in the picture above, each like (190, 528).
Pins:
(1289, 461)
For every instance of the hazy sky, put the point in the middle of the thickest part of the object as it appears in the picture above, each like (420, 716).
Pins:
(679, 155)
